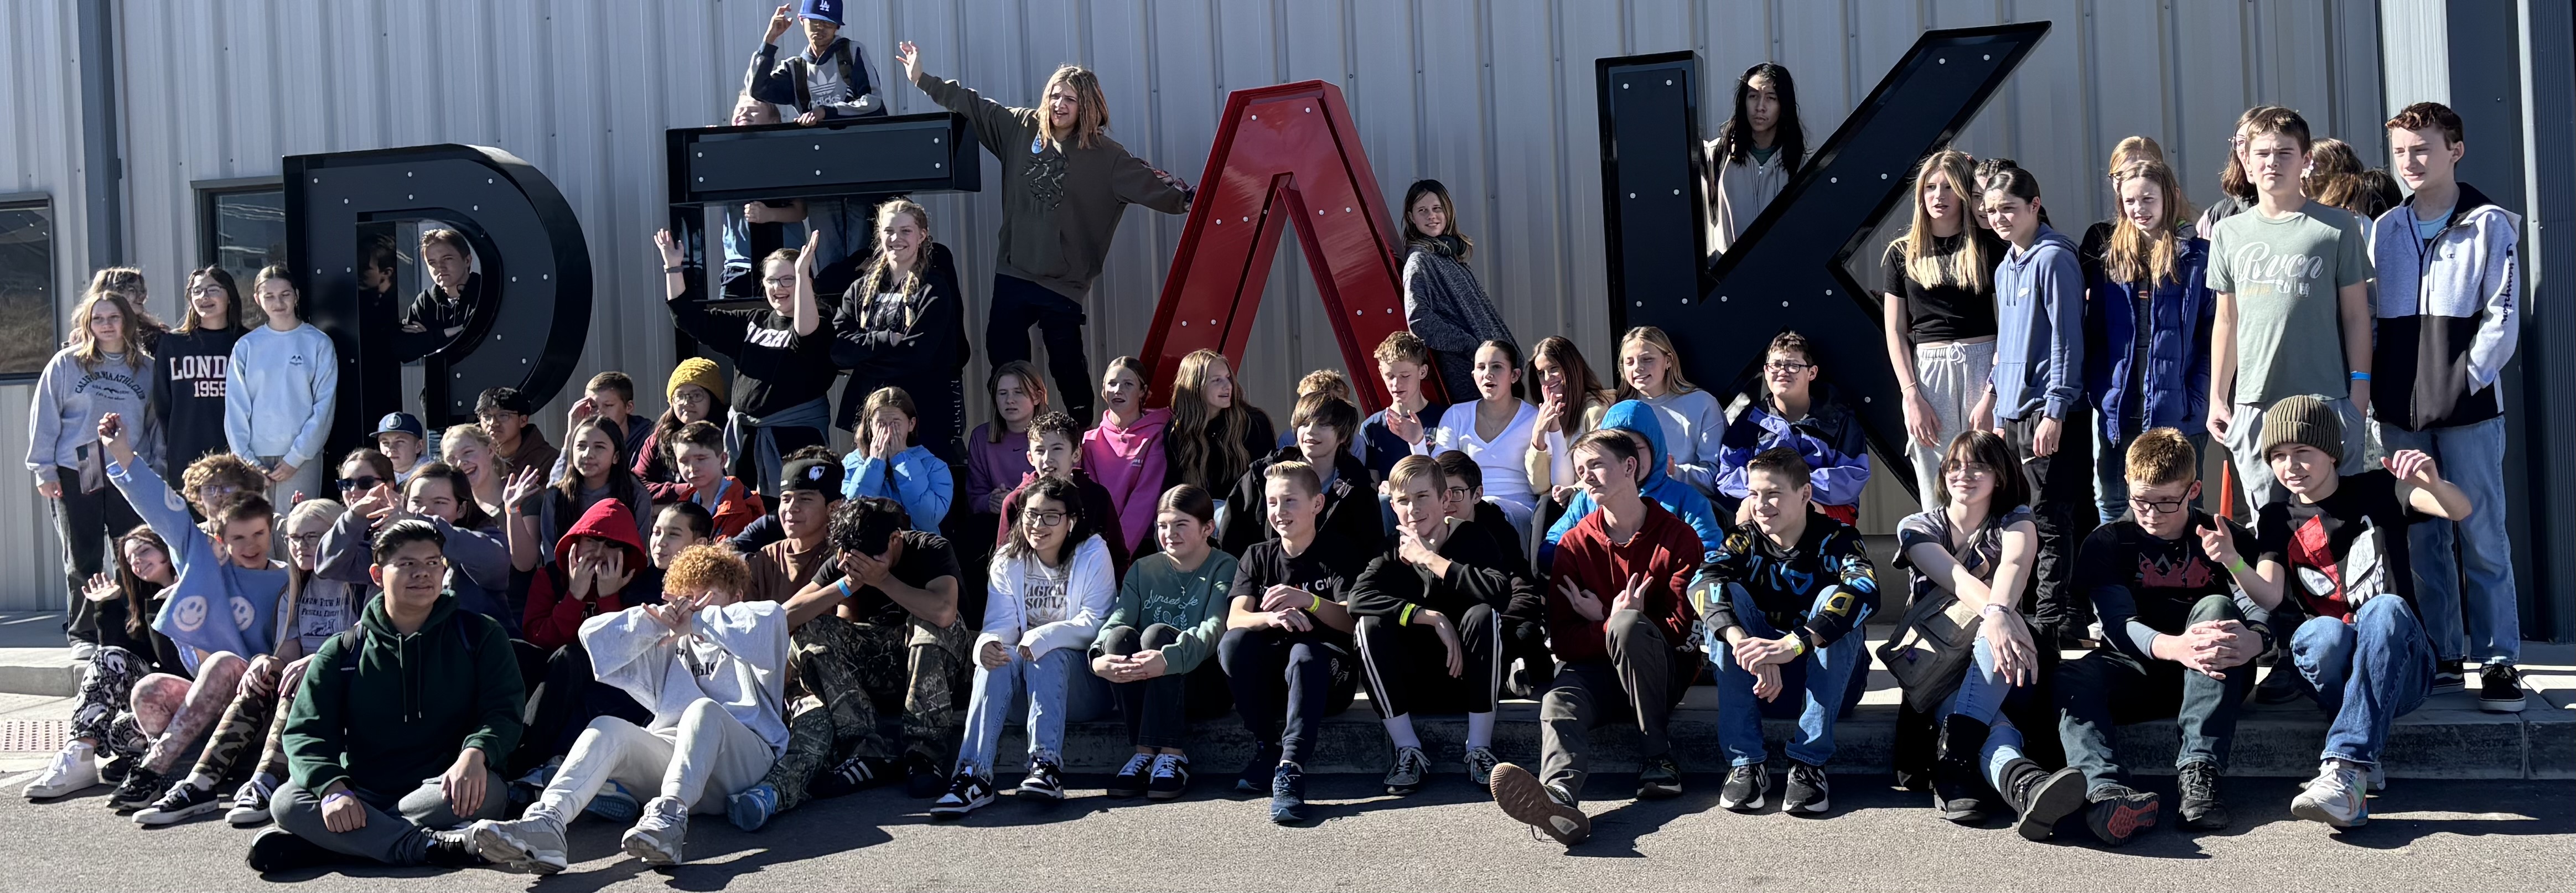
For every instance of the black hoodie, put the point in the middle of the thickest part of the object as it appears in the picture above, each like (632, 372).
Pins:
(1350, 505)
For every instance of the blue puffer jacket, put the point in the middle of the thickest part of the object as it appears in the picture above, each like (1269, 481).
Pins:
(2177, 379)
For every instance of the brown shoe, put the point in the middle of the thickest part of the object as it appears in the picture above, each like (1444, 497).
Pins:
(1548, 808)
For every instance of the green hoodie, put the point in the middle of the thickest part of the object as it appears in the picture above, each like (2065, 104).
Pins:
(405, 706)
(1158, 591)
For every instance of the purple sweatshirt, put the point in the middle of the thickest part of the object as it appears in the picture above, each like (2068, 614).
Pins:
(993, 467)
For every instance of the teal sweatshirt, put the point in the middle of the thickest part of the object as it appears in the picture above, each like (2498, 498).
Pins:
(1158, 591)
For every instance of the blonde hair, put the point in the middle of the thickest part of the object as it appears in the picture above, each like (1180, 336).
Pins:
(2133, 149)
(2143, 256)
(1655, 338)
(84, 346)
(459, 434)
(1330, 382)
(1195, 459)
(2162, 456)
(1091, 111)
(873, 282)
(1967, 268)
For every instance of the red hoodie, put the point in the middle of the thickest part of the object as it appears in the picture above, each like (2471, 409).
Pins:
(1666, 550)
(553, 621)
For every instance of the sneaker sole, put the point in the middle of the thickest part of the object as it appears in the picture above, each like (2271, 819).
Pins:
(1524, 799)
(2316, 812)
(1403, 790)
(2059, 796)
(36, 793)
(1658, 791)
(2127, 820)
(1040, 793)
(643, 848)
(246, 818)
(156, 817)
(1824, 801)
(953, 813)
(1167, 795)
(2500, 706)
(1761, 798)
(1124, 792)
(508, 851)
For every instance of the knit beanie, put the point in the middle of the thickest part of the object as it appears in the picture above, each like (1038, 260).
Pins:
(2303, 419)
(698, 371)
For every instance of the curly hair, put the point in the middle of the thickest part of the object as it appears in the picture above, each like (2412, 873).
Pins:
(707, 566)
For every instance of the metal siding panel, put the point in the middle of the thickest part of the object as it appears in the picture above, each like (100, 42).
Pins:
(1658, 26)
(2128, 95)
(1384, 95)
(2207, 38)
(1813, 45)
(1523, 274)
(2049, 110)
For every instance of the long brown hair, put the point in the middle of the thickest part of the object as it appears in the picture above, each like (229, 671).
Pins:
(873, 282)
(85, 347)
(1207, 443)
(1027, 373)
(2334, 175)
(1968, 267)
(1583, 386)
(2140, 256)
(189, 324)
(1090, 117)
(1449, 209)
(881, 399)
(621, 479)
(136, 591)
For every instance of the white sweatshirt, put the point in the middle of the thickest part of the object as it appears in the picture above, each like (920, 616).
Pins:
(278, 394)
(1043, 609)
(735, 655)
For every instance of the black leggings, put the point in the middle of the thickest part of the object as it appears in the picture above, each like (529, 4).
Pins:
(563, 701)
(1408, 668)
(1159, 710)
(1018, 304)
(1283, 681)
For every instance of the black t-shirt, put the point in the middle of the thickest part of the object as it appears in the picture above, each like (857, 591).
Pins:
(1328, 568)
(1945, 312)
(2343, 550)
(773, 367)
(2160, 578)
(926, 557)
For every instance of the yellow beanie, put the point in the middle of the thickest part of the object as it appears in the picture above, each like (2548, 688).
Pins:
(698, 371)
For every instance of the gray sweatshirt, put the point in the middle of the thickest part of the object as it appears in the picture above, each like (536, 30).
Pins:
(735, 655)
(278, 393)
(62, 421)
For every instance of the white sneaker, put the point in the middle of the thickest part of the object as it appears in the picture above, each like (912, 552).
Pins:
(658, 836)
(2334, 797)
(73, 769)
(533, 844)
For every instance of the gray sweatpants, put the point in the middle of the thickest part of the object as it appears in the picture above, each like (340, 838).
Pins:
(1640, 680)
(398, 825)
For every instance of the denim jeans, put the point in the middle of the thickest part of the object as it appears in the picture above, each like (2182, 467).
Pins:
(2471, 456)
(2113, 687)
(1047, 681)
(2111, 471)
(1820, 678)
(1982, 696)
(2367, 673)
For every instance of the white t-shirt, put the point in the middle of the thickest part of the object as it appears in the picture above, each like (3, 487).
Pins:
(1506, 478)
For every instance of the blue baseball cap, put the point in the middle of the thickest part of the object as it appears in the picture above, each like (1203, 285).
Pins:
(402, 423)
(827, 10)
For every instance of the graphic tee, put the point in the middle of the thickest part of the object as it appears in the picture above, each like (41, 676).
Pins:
(2343, 550)
(2284, 273)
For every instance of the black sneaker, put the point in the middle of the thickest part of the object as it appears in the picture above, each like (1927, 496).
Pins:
(1255, 778)
(967, 793)
(1405, 777)
(1659, 778)
(2449, 675)
(139, 789)
(1044, 780)
(2042, 798)
(1130, 780)
(2280, 686)
(277, 849)
(2201, 808)
(1808, 793)
(1170, 777)
(853, 774)
(113, 769)
(2500, 689)
(453, 849)
(1288, 794)
(1548, 808)
(922, 779)
(182, 802)
(2118, 813)
(1747, 788)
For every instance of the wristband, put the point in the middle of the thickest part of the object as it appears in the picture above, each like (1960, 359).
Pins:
(334, 795)
(1992, 608)
(1319, 602)
(1797, 646)
(844, 585)
(2361, 376)
(2236, 566)
(672, 269)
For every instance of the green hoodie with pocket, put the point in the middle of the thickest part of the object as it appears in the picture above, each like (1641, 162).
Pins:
(400, 708)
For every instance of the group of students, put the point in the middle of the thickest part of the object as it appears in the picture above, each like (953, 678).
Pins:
(706, 612)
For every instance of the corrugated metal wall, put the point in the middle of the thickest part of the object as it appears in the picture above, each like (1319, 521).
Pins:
(40, 152)
(1493, 98)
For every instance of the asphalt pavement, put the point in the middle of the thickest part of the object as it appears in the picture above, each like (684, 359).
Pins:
(2488, 836)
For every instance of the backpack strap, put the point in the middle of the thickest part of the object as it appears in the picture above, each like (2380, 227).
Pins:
(350, 639)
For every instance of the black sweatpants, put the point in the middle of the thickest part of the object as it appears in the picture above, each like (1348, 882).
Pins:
(1284, 682)
(1159, 710)
(85, 523)
(1016, 305)
(1408, 667)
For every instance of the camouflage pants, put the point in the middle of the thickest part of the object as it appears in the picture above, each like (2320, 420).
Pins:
(255, 718)
(846, 668)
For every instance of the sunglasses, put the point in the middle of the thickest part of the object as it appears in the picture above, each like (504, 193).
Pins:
(361, 482)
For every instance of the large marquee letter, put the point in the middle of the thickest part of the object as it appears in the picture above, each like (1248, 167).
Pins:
(535, 265)
(1285, 157)
(1787, 270)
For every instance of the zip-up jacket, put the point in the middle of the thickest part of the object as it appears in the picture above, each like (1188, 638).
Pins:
(784, 82)
(2447, 313)
(914, 477)
(381, 710)
(2179, 311)
(1783, 584)
(1350, 505)
(2039, 324)
(1829, 438)
(1090, 590)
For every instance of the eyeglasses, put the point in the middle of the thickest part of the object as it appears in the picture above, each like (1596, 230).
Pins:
(1044, 519)
(1792, 368)
(305, 539)
(2156, 506)
(214, 493)
(1459, 492)
(780, 281)
(1971, 470)
(410, 566)
(361, 482)
(207, 290)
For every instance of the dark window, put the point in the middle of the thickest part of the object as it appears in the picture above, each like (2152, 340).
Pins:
(242, 227)
(28, 334)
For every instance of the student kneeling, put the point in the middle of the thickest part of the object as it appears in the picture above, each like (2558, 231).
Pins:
(420, 690)
(712, 668)
(1794, 568)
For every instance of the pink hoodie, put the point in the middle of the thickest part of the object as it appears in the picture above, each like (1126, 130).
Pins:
(1129, 462)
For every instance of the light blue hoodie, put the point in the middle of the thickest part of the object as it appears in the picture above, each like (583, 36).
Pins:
(215, 605)
(278, 394)
(917, 478)
(1679, 498)
(2039, 323)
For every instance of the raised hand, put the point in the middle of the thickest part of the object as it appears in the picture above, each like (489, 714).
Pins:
(111, 434)
(524, 485)
(910, 57)
(101, 588)
(669, 247)
(805, 258)
(2414, 467)
(581, 409)
(779, 22)
(611, 572)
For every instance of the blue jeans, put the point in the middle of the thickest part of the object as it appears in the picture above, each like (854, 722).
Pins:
(2367, 673)
(1047, 681)
(1981, 697)
(1823, 674)
(2471, 456)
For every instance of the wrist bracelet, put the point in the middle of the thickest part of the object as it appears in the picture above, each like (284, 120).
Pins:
(1319, 602)
(334, 795)
(2236, 566)
(2361, 376)
(844, 584)
(673, 269)
(1992, 608)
